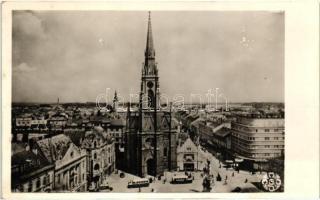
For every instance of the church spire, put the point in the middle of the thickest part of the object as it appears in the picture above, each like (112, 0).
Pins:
(149, 65)
(149, 47)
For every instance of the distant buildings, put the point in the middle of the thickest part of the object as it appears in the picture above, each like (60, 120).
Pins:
(216, 134)
(58, 121)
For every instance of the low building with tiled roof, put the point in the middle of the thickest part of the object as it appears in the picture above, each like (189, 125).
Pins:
(190, 157)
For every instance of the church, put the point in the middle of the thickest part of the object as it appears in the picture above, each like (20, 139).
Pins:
(151, 132)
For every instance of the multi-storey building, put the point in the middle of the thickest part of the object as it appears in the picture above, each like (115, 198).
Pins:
(31, 172)
(69, 160)
(100, 149)
(258, 139)
(58, 121)
(215, 134)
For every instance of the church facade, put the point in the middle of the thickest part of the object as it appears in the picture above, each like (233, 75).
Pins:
(150, 132)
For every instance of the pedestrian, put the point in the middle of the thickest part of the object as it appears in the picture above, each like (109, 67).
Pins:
(226, 177)
(232, 173)
(246, 181)
(152, 190)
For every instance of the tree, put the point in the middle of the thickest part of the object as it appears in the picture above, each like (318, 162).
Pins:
(276, 165)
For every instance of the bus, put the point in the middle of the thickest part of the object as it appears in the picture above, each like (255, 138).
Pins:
(141, 182)
(181, 179)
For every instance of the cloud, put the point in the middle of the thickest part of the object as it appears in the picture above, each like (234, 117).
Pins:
(76, 55)
(24, 67)
(28, 24)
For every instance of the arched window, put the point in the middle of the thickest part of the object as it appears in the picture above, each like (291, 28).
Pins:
(165, 151)
(151, 99)
(96, 167)
(95, 155)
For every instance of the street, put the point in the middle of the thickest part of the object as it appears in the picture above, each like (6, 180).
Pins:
(234, 180)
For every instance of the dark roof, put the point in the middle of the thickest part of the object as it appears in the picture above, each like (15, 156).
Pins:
(76, 136)
(117, 122)
(27, 156)
(26, 164)
(17, 147)
(223, 132)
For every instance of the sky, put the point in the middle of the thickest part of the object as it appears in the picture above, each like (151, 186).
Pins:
(77, 55)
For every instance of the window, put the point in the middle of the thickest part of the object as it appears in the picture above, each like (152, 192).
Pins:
(38, 183)
(58, 179)
(96, 167)
(44, 181)
(276, 138)
(267, 130)
(266, 138)
(267, 146)
(165, 151)
(95, 156)
(256, 130)
(30, 187)
(188, 148)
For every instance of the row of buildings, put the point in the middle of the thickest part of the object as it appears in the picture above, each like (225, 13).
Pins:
(63, 162)
(254, 138)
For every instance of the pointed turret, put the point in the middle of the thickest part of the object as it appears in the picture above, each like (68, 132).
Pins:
(115, 101)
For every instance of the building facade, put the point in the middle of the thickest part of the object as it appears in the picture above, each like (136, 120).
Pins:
(258, 139)
(217, 135)
(100, 155)
(31, 172)
(69, 160)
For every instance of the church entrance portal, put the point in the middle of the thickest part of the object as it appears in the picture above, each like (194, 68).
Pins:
(150, 167)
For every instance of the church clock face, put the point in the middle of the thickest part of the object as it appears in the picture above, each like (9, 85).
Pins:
(150, 84)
